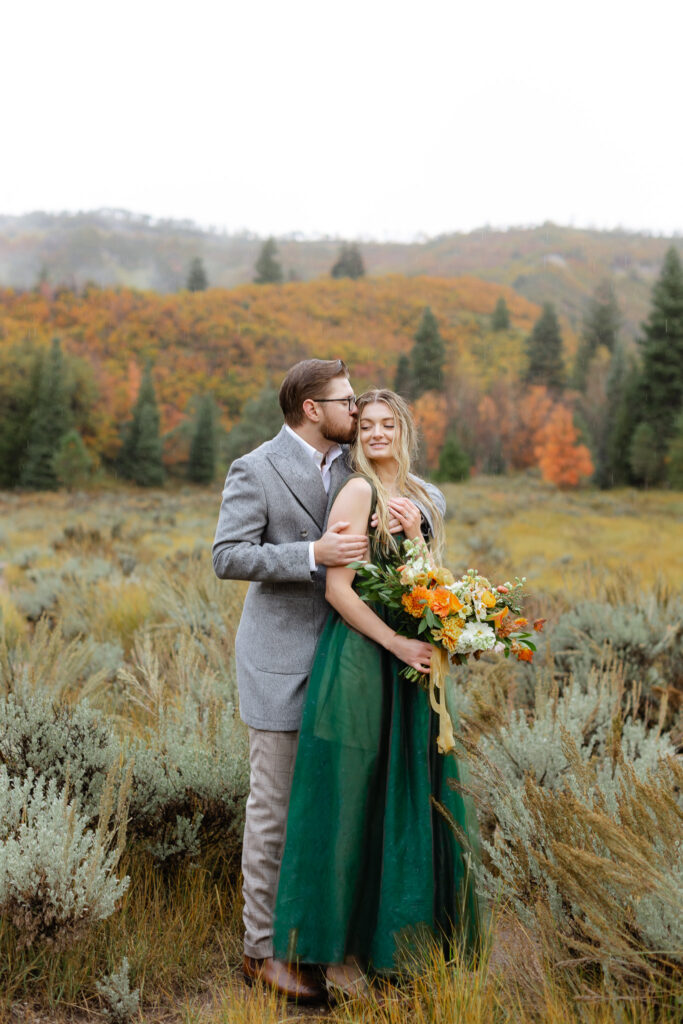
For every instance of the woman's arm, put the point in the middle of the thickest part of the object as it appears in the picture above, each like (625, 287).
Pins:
(352, 505)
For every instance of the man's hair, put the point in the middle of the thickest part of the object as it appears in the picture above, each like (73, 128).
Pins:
(307, 379)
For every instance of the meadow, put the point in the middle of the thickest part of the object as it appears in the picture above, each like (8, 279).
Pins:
(123, 769)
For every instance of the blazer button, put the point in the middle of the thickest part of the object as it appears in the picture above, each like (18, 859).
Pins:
(304, 533)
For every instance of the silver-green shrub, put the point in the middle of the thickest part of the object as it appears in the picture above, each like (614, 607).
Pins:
(67, 744)
(121, 1003)
(56, 873)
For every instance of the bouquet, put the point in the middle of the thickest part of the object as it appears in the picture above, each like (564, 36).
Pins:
(460, 617)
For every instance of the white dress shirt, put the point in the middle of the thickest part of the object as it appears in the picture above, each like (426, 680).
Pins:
(323, 461)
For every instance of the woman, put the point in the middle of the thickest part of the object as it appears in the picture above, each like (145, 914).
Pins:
(369, 862)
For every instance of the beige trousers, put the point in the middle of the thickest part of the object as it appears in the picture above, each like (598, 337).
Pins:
(271, 767)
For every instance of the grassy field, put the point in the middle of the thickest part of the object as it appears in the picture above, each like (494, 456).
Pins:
(110, 596)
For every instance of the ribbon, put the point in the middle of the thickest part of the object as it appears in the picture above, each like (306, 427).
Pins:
(437, 681)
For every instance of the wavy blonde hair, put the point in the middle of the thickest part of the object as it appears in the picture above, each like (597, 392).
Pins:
(405, 452)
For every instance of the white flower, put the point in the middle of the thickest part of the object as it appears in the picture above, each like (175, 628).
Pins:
(476, 636)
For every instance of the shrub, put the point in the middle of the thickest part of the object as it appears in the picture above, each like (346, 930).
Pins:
(56, 873)
(121, 1004)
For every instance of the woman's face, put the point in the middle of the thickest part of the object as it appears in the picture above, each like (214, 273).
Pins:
(377, 431)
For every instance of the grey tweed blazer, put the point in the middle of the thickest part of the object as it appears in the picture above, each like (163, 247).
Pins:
(274, 504)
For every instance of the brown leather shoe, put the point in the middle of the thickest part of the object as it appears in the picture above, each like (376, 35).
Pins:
(299, 983)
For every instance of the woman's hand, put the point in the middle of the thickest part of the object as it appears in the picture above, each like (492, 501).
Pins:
(415, 653)
(408, 515)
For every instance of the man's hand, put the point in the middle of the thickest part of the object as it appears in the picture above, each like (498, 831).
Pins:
(338, 548)
(404, 515)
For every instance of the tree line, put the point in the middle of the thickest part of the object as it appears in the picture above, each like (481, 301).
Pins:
(268, 268)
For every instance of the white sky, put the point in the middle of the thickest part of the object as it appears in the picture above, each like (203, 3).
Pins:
(379, 118)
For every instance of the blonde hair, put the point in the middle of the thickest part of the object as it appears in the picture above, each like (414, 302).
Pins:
(405, 452)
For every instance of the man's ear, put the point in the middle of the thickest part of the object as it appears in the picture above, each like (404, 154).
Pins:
(311, 410)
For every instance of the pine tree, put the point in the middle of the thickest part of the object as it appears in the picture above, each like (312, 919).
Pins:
(600, 327)
(623, 392)
(72, 462)
(50, 419)
(661, 389)
(453, 462)
(349, 262)
(403, 381)
(544, 351)
(674, 455)
(140, 459)
(197, 281)
(268, 268)
(645, 455)
(500, 321)
(261, 418)
(202, 464)
(427, 356)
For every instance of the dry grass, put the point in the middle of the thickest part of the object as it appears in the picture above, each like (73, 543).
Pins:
(174, 622)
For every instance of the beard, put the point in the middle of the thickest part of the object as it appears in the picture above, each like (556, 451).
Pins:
(340, 435)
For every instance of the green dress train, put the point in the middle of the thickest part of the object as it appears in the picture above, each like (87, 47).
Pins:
(370, 864)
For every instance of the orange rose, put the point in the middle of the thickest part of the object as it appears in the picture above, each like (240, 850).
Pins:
(443, 602)
(488, 600)
(415, 601)
(525, 654)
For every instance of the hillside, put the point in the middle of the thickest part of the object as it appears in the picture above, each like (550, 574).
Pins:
(232, 342)
(116, 248)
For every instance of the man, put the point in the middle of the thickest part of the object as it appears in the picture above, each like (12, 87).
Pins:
(271, 531)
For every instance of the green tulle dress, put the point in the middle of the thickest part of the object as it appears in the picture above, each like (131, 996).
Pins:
(370, 865)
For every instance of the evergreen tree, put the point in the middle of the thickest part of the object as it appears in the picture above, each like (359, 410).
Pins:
(403, 382)
(544, 351)
(600, 327)
(197, 281)
(261, 418)
(500, 320)
(49, 421)
(72, 462)
(453, 462)
(202, 464)
(349, 262)
(427, 356)
(140, 459)
(674, 456)
(268, 268)
(661, 394)
(645, 455)
(623, 390)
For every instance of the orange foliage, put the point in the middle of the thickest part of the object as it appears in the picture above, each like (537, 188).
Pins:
(561, 460)
(431, 417)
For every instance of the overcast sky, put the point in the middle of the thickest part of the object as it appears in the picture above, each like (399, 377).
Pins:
(380, 118)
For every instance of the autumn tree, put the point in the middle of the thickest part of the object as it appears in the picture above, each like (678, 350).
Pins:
(431, 420)
(403, 381)
(349, 262)
(197, 280)
(72, 462)
(49, 420)
(600, 329)
(140, 458)
(202, 462)
(268, 268)
(544, 351)
(561, 460)
(661, 387)
(428, 356)
(500, 321)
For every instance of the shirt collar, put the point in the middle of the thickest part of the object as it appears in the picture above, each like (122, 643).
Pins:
(332, 453)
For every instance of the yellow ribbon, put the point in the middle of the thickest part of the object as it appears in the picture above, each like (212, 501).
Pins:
(437, 681)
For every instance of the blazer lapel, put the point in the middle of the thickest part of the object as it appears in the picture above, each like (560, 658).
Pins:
(300, 474)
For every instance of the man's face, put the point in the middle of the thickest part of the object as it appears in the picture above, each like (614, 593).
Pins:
(338, 423)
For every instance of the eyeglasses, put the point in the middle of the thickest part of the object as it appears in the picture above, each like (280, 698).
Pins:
(350, 400)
